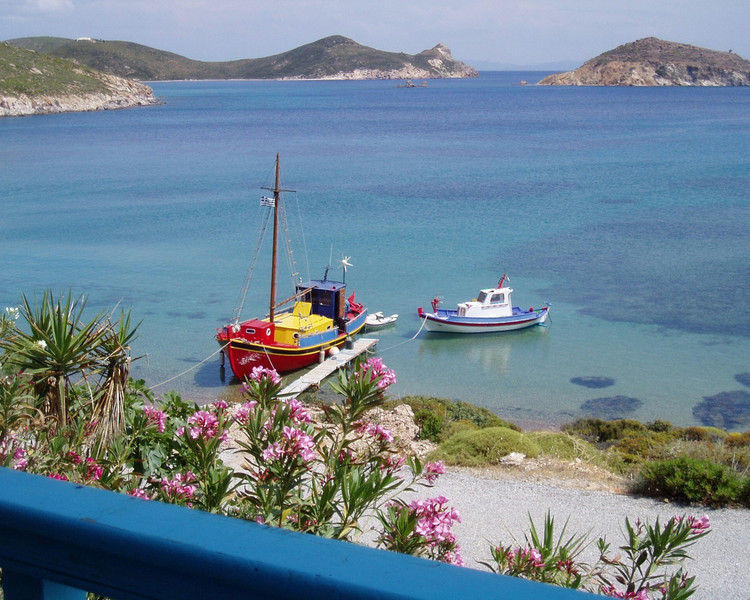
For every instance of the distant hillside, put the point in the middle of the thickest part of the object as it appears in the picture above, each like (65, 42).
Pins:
(334, 57)
(654, 62)
(35, 83)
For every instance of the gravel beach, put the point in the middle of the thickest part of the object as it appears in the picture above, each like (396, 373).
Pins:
(495, 506)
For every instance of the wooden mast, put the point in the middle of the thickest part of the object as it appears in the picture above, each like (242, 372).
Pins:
(276, 198)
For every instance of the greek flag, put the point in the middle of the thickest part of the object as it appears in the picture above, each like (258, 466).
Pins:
(266, 201)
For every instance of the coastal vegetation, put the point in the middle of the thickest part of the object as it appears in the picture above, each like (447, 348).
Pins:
(70, 411)
(333, 57)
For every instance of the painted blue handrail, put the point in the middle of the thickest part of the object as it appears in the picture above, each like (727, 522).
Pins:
(58, 538)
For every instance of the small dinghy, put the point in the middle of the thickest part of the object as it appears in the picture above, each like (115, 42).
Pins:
(378, 320)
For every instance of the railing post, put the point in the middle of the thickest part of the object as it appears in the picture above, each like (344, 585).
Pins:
(17, 586)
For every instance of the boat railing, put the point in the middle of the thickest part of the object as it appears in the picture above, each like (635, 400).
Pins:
(59, 540)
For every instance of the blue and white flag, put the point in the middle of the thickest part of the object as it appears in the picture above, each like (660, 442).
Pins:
(266, 201)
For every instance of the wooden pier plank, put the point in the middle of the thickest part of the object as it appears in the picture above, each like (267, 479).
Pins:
(328, 367)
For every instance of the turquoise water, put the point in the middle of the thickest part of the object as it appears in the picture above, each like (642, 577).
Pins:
(625, 208)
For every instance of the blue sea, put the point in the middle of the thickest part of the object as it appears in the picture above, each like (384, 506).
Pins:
(627, 209)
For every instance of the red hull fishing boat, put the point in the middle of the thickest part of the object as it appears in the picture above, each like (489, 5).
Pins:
(319, 318)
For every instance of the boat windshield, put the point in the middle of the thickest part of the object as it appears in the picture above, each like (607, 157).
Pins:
(482, 297)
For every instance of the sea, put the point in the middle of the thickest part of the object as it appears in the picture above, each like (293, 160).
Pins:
(626, 209)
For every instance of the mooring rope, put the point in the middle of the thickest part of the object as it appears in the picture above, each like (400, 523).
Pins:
(411, 339)
(190, 368)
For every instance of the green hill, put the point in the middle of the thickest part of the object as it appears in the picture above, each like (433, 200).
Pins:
(334, 57)
(36, 83)
(32, 74)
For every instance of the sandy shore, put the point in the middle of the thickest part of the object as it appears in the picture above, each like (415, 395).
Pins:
(495, 506)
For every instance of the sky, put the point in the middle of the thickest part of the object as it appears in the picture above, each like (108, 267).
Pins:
(482, 33)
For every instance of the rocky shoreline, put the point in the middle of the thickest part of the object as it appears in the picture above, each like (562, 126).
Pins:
(122, 93)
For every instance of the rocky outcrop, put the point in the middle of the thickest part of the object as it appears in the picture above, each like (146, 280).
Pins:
(120, 93)
(436, 63)
(654, 62)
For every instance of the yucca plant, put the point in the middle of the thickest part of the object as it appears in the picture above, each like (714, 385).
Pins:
(115, 358)
(63, 354)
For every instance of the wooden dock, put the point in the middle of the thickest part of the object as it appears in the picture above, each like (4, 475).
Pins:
(328, 367)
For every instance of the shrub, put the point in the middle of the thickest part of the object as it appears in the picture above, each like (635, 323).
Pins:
(435, 416)
(744, 495)
(564, 446)
(602, 432)
(484, 446)
(738, 440)
(659, 426)
(690, 480)
(701, 434)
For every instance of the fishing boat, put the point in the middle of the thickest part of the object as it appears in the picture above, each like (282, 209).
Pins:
(318, 320)
(491, 311)
(378, 320)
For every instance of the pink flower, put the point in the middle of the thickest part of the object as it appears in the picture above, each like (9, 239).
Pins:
(59, 476)
(432, 470)
(180, 486)
(138, 493)
(297, 411)
(273, 452)
(378, 432)
(259, 373)
(300, 443)
(393, 463)
(156, 417)
(378, 370)
(93, 470)
(242, 416)
(697, 525)
(435, 519)
(206, 426)
(221, 404)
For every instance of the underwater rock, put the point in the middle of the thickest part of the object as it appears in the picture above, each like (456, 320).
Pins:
(593, 382)
(743, 378)
(727, 410)
(613, 407)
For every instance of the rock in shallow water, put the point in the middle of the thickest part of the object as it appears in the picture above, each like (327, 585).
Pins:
(612, 407)
(727, 410)
(593, 382)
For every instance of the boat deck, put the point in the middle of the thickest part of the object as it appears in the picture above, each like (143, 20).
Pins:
(328, 367)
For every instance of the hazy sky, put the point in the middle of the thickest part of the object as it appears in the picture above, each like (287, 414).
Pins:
(479, 32)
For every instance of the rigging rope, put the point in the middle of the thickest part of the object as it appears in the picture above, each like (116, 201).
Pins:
(243, 294)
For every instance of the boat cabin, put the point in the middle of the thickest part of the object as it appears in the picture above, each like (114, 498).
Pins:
(326, 299)
(492, 302)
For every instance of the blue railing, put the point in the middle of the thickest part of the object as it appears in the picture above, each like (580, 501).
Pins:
(57, 539)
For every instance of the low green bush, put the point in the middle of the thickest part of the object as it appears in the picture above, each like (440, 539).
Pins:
(436, 416)
(564, 446)
(744, 495)
(689, 480)
(484, 446)
(598, 431)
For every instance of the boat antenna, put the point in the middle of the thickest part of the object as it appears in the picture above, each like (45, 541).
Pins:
(276, 201)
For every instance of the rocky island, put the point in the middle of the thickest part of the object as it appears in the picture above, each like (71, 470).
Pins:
(655, 62)
(32, 83)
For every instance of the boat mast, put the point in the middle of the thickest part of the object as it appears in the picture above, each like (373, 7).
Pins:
(276, 198)
(276, 189)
